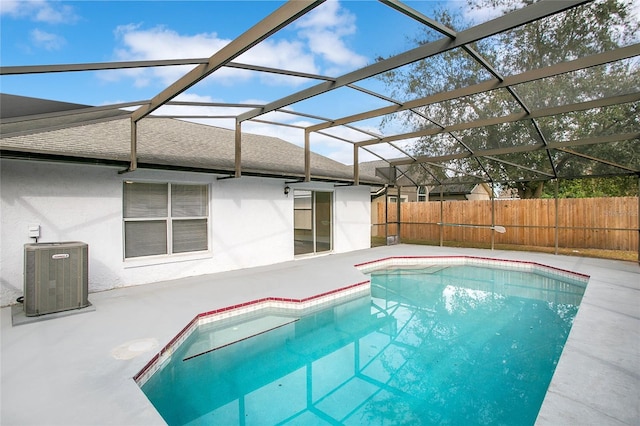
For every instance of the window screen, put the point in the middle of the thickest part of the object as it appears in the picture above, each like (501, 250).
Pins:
(145, 238)
(145, 199)
(189, 235)
(164, 218)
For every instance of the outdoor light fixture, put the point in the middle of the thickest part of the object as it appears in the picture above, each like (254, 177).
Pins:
(286, 190)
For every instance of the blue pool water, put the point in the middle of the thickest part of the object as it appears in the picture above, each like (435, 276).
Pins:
(453, 345)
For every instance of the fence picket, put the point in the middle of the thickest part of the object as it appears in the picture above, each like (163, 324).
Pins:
(598, 223)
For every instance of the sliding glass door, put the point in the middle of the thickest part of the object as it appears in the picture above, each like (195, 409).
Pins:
(312, 221)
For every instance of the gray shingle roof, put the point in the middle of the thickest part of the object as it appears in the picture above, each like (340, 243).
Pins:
(18, 106)
(460, 188)
(381, 169)
(169, 143)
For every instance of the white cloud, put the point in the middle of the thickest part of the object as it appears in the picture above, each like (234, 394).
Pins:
(164, 43)
(283, 54)
(158, 43)
(325, 28)
(47, 40)
(320, 47)
(10, 7)
(487, 12)
(39, 11)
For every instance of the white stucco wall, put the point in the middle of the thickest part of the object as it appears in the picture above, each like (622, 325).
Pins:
(352, 229)
(479, 192)
(251, 222)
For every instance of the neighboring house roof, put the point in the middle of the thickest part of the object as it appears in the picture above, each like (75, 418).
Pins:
(382, 169)
(461, 188)
(165, 143)
(409, 175)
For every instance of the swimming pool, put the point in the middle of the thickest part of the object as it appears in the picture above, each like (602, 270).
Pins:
(444, 341)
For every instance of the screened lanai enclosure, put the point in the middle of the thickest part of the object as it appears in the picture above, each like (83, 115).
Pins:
(509, 94)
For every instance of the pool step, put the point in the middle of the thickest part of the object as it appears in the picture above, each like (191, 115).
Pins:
(412, 270)
(209, 341)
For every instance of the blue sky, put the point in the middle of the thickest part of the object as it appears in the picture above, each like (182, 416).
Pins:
(337, 37)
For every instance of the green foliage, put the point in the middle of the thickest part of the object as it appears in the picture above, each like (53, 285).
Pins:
(585, 30)
(616, 186)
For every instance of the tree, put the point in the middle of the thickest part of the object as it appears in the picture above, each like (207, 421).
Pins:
(578, 32)
(616, 186)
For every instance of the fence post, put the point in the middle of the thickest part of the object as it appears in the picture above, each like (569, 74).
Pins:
(386, 215)
(555, 197)
(493, 217)
(441, 216)
(398, 212)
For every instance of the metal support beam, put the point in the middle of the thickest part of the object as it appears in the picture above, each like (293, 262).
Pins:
(510, 118)
(525, 77)
(388, 99)
(307, 157)
(599, 160)
(443, 29)
(556, 229)
(386, 215)
(104, 66)
(238, 150)
(79, 111)
(356, 166)
(134, 146)
(493, 215)
(506, 22)
(398, 213)
(488, 153)
(284, 15)
(97, 66)
(441, 216)
(518, 166)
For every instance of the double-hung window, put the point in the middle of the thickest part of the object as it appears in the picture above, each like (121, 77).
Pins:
(165, 218)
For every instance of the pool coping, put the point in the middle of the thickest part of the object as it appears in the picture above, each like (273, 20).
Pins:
(520, 265)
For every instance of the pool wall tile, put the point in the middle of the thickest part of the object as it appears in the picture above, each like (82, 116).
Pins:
(518, 265)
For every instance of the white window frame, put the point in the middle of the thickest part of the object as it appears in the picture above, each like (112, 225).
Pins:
(169, 220)
(424, 195)
(312, 225)
(403, 198)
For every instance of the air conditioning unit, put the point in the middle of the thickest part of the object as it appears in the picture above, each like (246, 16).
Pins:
(56, 277)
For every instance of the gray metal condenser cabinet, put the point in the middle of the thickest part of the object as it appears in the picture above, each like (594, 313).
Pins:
(56, 277)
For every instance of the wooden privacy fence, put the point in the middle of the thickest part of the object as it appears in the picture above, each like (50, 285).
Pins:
(598, 223)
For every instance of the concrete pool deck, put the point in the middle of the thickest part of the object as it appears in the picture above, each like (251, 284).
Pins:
(78, 369)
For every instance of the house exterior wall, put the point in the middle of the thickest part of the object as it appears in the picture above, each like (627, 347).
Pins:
(480, 192)
(447, 197)
(251, 222)
(352, 229)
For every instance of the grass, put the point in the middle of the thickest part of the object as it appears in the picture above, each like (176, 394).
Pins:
(630, 256)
